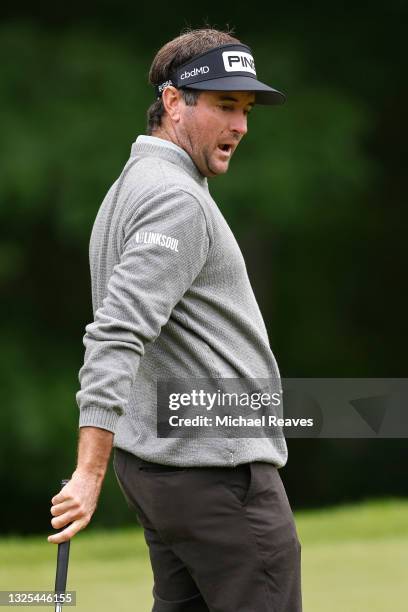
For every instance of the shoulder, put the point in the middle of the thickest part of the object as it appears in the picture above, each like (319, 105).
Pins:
(152, 183)
(152, 173)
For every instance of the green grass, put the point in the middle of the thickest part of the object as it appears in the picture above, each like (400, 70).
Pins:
(354, 559)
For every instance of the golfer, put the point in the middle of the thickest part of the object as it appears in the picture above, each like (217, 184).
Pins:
(172, 300)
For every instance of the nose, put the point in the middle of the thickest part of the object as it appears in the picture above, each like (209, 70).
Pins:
(239, 123)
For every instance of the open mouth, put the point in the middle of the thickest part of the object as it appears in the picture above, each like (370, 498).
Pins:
(225, 147)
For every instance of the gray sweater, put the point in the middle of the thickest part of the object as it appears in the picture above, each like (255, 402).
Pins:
(171, 299)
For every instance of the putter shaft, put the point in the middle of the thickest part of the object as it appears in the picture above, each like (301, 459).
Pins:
(62, 566)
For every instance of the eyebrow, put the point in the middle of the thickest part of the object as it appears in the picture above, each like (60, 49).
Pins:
(232, 99)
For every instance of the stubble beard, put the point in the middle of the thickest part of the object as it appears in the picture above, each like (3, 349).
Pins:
(207, 159)
(203, 156)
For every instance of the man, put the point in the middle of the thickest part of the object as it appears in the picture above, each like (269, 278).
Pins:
(172, 299)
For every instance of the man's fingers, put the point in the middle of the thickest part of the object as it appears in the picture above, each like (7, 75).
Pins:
(59, 497)
(68, 533)
(58, 522)
(59, 509)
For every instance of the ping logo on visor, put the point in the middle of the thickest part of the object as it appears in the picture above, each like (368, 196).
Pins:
(238, 61)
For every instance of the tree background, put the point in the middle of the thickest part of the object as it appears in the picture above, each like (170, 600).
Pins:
(316, 196)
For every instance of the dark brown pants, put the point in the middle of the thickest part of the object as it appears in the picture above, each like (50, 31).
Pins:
(220, 539)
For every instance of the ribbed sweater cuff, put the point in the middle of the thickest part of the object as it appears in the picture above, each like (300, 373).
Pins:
(94, 416)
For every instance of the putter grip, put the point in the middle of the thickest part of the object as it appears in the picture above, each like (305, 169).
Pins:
(62, 561)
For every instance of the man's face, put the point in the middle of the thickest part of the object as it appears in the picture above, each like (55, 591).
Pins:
(211, 131)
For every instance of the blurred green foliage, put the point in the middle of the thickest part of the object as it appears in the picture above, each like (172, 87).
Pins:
(315, 196)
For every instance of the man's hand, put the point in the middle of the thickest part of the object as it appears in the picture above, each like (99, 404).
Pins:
(75, 504)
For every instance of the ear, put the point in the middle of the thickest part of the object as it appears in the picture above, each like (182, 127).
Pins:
(172, 100)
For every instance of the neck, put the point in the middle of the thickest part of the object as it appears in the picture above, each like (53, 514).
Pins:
(166, 134)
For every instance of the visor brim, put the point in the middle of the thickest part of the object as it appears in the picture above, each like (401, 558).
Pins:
(263, 93)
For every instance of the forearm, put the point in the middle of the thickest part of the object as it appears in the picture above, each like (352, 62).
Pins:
(94, 449)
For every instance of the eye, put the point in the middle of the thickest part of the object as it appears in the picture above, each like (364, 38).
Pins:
(224, 107)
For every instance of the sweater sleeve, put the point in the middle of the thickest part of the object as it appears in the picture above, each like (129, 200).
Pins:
(165, 245)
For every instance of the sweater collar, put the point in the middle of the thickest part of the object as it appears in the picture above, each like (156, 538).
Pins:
(151, 146)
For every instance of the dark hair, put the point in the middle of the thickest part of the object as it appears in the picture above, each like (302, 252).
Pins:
(175, 53)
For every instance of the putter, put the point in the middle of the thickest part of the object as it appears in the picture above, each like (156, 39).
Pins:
(62, 565)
